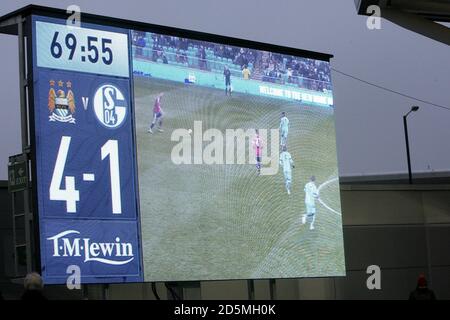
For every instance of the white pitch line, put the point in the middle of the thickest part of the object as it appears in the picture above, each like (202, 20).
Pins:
(320, 200)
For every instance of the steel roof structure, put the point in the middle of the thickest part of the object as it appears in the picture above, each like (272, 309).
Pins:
(426, 17)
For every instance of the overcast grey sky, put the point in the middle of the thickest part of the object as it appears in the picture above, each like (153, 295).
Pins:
(368, 120)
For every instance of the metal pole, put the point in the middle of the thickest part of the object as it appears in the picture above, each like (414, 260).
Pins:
(105, 291)
(429, 266)
(273, 289)
(251, 289)
(84, 292)
(405, 125)
(16, 258)
(25, 142)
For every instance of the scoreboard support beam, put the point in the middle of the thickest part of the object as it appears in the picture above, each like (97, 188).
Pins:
(24, 124)
(251, 289)
(25, 248)
(272, 289)
(105, 291)
(85, 291)
(25, 140)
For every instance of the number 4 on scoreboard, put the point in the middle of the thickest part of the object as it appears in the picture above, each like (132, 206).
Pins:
(70, 194)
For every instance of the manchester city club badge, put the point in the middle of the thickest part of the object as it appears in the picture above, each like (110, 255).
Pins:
(60, 103)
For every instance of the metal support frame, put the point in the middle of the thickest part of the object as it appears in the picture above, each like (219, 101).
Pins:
(24, 157)
(420, 16)
(417, 24)
(17, 214)
(25, 140)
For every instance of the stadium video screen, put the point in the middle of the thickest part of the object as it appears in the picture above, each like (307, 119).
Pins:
(163, 158)
(237, 162)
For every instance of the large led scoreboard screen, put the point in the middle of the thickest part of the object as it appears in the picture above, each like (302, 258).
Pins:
(166, 158)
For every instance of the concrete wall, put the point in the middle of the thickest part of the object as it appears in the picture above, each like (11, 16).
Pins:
(405, 230)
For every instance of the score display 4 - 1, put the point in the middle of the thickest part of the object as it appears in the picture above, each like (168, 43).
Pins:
(70, 194)
(92, 50)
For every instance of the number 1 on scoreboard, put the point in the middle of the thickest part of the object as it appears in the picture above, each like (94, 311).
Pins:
(111, 149)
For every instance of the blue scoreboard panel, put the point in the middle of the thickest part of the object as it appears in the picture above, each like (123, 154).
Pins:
(85, 152)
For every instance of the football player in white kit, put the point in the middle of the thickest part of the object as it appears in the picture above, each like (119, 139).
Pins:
(284, 129)
(311, 194)
(288, 164)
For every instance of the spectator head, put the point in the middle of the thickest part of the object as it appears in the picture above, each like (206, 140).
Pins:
(33, 281)
(284, 148)
(313, 178)
(422, 281)
(283, 114)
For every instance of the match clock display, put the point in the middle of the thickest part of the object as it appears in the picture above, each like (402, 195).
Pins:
(82, 49)
(85, 153)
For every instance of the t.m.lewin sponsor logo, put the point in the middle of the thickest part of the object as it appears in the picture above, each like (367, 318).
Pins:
(68, 244)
